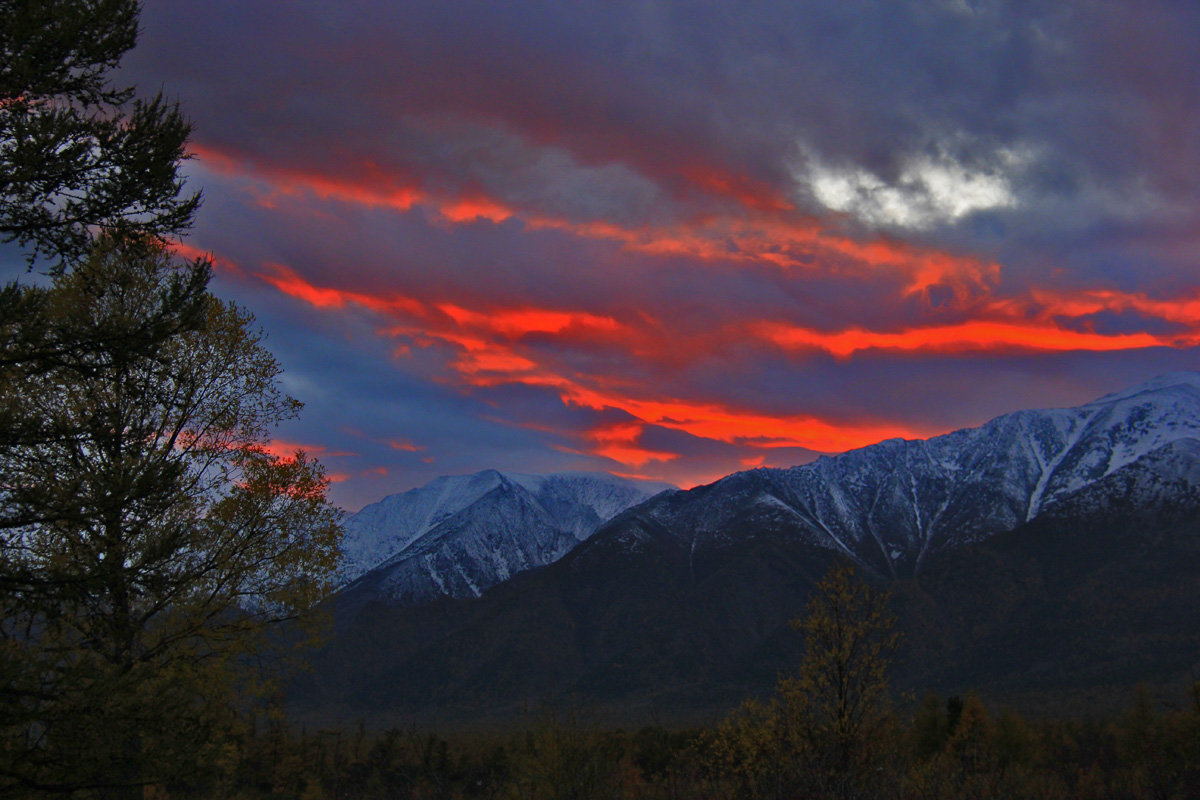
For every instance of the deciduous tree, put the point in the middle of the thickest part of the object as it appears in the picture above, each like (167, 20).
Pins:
(147, 535)
(824, 735)
(148, 538)
(840, 692)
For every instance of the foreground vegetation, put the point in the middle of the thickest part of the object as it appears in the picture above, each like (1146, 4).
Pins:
(955, 748)
(828, 732)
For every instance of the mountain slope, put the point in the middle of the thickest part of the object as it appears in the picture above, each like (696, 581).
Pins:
(1102, 590)
(459, 535)
(1077, 606)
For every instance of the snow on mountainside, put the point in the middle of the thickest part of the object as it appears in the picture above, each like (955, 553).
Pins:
(890, 505)
(382, 529)
(461, 534)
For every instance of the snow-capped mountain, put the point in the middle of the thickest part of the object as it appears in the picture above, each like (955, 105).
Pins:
(889, 505)
(461, 534)
(1057, 549)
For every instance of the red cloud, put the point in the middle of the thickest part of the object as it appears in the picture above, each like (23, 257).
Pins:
(193, 253)
(1033, 322)
(750, 194)
(492, 351)
(287, 281)
(287, 450)
(763, 228)
(373, 187)
(513, 323)
(967, 336)
(1046, 304)
(472, 209)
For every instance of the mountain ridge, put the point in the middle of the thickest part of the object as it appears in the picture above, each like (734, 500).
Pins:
(679, 606)
(887, 506)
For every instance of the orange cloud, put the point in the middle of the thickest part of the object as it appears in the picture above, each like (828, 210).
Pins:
(961, 337)
(375, 188)
(742, 426)
(287, 281)
(708, 420)
(490, 354)
(482, 356)
(1046, 304)
(281, 449)
(214, 159)
(193, 253)
(472, 209)
(790, 241)
(477, 355)
(398, 199)
(512, 323)
(1034, 322)
(749, 193)
(491, 349)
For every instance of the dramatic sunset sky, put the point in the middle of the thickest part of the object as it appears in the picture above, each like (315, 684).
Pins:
(678, 239)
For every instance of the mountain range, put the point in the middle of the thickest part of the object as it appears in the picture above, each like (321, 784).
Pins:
(889, 506)
(1053, 551)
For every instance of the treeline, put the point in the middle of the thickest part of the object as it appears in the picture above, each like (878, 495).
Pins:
(945, 748)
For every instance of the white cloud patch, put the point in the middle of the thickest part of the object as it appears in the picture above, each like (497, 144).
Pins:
(927, 191)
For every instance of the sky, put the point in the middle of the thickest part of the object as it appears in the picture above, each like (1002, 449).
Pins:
(676, 240)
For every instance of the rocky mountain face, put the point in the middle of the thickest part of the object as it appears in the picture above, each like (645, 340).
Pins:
(889, 506)
(460, 535)
(1046, 554)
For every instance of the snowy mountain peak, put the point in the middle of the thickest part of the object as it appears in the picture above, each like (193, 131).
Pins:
(1170, 383)
(380, 530)
(460, 534)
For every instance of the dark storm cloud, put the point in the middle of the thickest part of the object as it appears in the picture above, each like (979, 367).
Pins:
(1098, 92)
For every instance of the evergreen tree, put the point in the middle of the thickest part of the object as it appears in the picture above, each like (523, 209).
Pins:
(77, 153)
